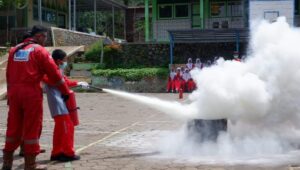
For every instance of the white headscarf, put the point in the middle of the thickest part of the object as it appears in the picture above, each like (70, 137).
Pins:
(189, 65)
(198, 63)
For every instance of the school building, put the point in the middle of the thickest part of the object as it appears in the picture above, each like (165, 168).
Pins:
(19, 16)
(165, 20)
(192, 15)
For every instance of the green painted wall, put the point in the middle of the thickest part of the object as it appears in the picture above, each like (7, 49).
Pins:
(154, 15)
(147, 32)
(202, 13)
(204, 5)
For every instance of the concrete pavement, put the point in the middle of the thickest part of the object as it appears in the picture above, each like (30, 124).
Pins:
(119, 134)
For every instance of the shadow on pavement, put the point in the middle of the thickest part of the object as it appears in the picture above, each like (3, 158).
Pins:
(132, 155)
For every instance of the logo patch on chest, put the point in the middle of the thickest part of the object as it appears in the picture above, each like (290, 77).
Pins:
(23, 55)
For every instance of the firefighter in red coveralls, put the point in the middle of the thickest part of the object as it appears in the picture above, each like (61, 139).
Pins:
(27, 63)
(26, 37)
(189, 83)
(171, 84)
(63, 134)
(178, 80)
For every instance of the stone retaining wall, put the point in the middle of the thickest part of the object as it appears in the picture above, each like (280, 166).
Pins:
(158, 54)
(63, 37)
(146, 85)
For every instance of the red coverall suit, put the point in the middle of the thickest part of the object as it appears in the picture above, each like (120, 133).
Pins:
(178, 81)
(63, 134)
(27, 64)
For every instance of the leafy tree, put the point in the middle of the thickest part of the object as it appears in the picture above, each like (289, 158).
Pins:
(103, 22)
(9, 3)
(6, 3)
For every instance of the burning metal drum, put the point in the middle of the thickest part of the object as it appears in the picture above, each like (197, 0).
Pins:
(206, 130)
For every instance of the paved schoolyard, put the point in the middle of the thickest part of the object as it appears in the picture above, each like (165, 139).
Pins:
(116, 133)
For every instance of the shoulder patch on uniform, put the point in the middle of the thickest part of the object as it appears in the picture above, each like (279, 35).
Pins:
(23, 55)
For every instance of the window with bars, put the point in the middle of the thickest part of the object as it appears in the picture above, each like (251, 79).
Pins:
(235, 9)
(48, 15)
(173, 11)
(181, 10)
(165, 11)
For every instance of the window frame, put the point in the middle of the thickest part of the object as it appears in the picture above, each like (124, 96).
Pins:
(65, 19)
(174, 11)
(178, 4)
(167, 18)
(221, 1)
(227, 10)
(51, 10)
(297, 7)
(47, 9)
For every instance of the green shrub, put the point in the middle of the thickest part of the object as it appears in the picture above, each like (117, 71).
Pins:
(3, 51)
(94, 52)
(132, 74)
(99, 66)
(113, 56)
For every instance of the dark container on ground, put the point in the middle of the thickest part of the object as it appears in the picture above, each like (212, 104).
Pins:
(206, 130)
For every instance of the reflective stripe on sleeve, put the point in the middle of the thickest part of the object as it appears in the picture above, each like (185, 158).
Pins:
(31, 141)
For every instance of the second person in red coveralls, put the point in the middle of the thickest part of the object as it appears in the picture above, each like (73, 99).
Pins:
(63, 134)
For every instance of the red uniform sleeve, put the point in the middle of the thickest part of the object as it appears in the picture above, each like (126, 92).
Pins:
(11, 52)
(47, 81)
(49, 67)
(69, 82)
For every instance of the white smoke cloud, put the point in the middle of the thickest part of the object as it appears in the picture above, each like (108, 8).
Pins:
(259, 96)
(230, 90)
(264, 87)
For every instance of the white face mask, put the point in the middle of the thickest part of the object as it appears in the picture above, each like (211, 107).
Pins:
(63, 65)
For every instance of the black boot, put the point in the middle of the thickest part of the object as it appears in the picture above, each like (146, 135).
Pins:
(21, 153)
(30, 163)
(65, 158)
(7, 160)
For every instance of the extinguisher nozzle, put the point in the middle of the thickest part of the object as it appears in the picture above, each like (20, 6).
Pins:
(96, 88)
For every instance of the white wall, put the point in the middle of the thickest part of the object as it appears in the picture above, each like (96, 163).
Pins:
(268, 9)
(233, 22)
(161, 26)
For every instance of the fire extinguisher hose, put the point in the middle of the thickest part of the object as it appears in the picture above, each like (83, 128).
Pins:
(96, 88)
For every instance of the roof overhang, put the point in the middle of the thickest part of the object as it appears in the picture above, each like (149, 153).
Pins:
(209, 35)
(88, 5)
